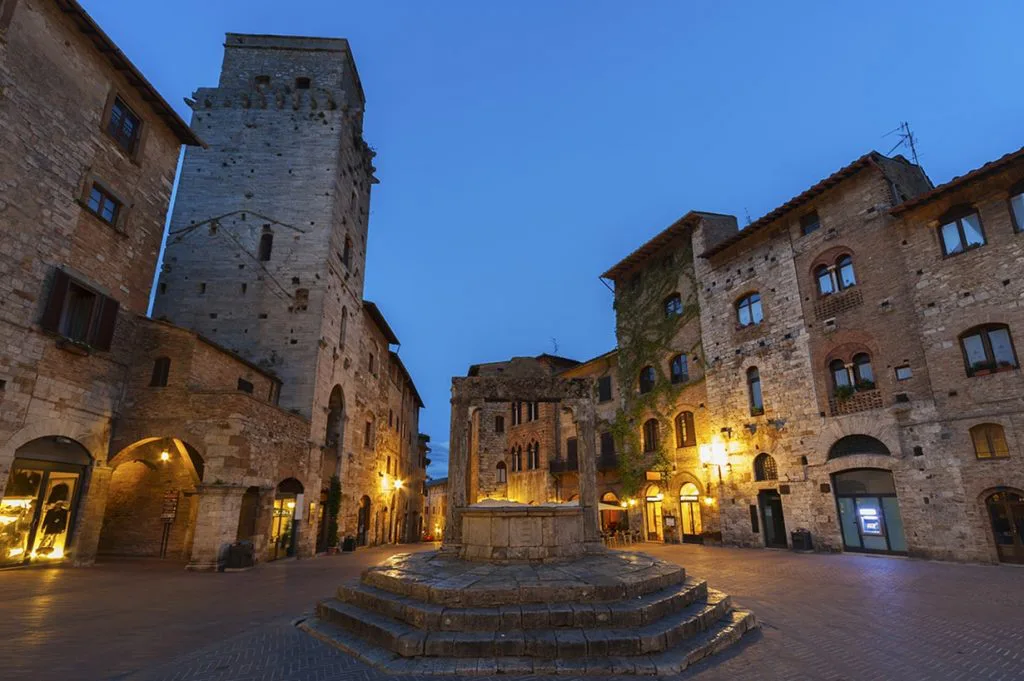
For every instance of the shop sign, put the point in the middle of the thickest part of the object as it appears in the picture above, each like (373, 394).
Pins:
(170, 506)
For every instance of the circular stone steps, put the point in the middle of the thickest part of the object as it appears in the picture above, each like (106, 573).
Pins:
(609, 613)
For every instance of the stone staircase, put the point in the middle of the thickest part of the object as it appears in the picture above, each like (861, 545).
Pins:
(614, 613)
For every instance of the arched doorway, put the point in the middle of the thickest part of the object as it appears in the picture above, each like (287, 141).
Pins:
(151, 500)
(613, 515)
(652, 513)
(40, 501)
(248, 514)
(284, 528)
(869, 513)
(363, 521)
(689, 514)
(1006, 513)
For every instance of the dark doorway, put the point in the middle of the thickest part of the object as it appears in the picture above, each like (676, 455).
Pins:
(1006, 511)
(363, 521)
(770, 503)
(248, 514)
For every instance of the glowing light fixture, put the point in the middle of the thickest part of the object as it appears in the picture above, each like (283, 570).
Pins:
(290, 505)
(165, 455)
(714, 454)
(709, 501)
(398, 483)
(16, 551)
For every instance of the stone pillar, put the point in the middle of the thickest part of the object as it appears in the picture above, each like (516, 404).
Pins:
(458, 469)
(586, 434)
(216, 523)
(90, 512)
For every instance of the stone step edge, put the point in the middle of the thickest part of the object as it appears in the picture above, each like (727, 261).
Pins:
(632, 613)
(725, 633)
(460, 594)
(408, 641)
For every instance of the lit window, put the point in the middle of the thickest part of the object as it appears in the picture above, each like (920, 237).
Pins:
(103, 205)
(685, 435)
(989, 441)
(765, 467)
(961, 231)
(988, 349)
(748, 310)
(123, 125)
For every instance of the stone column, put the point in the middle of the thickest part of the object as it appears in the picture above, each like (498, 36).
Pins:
(458, 460)
(216, 523)
(586, 433)
(90, 512)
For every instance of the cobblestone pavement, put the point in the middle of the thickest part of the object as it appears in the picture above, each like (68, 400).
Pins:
(836, 617)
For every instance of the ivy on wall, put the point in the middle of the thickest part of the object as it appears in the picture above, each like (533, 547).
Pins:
(646, 335)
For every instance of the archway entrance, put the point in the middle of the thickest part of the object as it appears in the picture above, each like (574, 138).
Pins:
(613, 516)
(869, 514)
(689, 514)
(151, 500)
(1006, 512)
(40, 501)
(652, 513)
(248, 514)
(363, 521)
(283, 527)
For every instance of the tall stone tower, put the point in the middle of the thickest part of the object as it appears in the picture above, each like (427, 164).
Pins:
(267, 244)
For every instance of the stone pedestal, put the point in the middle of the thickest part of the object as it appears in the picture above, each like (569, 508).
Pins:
(216, 524)
(521, 533)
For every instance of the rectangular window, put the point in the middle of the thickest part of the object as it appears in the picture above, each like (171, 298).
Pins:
(103, 205)
(161, 371)
(124, 125)
(368, 434)
(78, 313)
(1017, 211)
(607, 444)
(903, 373)
(809, 223)
(245, 386)
(962, 233)
(604, 388)
(499, 424)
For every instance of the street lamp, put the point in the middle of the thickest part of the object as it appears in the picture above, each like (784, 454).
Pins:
(396, 486)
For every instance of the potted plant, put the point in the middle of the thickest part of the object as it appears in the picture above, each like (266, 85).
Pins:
(844, 392)
(865, 385)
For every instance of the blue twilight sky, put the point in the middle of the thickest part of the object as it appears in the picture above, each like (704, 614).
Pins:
(526, 146)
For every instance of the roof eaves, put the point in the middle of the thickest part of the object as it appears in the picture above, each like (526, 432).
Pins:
(795, 202)
(382, 324)
(149, 94)
(956, 182)
(653, 244)
(408, 377)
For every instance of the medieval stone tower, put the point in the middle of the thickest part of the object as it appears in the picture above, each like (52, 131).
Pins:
(267, 243)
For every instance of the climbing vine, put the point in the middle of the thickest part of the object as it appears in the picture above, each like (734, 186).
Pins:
(646, 334)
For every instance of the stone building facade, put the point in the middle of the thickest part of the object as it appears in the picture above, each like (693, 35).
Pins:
(124, 435)
(436, 508)
(850, 371)
(266, 255)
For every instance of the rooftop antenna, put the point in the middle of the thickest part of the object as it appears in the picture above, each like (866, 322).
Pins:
(907, 140)
(554, 342)
(747, 211)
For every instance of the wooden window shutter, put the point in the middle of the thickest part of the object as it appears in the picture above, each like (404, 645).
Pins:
(103, 333)
(55, 303)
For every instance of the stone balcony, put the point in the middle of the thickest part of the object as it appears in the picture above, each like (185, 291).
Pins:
(862, 400)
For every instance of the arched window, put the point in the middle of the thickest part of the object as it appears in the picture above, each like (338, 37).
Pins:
(826, 280)
(845, 274)
(502, 472)
(988, 349)
(989, 441)
(961, 230)
(840, 375)
(266, 246)
(685, 436)
(748, 309)
(647, 378)
(673, 306)
(857, 444)
(754, 391)
(344, 327)
(650, 438)
(863, 374)
(1017, 207)
(765, 468)
(529, 456)
(678, 370)
(536, 455)
(161, 371)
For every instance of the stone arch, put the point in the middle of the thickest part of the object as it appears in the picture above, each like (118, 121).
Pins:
(855, 424)
(829, 257)
(94, 440)
(153, 485)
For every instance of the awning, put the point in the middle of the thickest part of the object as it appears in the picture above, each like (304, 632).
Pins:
(608, 507)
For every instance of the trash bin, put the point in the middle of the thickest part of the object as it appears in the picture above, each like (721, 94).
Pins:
(349, 544)
(241, 554)
(801, 540)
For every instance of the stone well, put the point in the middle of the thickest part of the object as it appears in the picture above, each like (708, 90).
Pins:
(510, 532)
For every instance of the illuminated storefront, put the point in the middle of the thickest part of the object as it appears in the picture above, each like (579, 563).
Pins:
(869, 513)
(37, 511)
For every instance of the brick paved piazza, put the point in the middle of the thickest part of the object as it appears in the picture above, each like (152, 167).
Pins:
(824, 617)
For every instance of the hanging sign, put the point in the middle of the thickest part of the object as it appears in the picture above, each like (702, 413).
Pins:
(170, 505)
